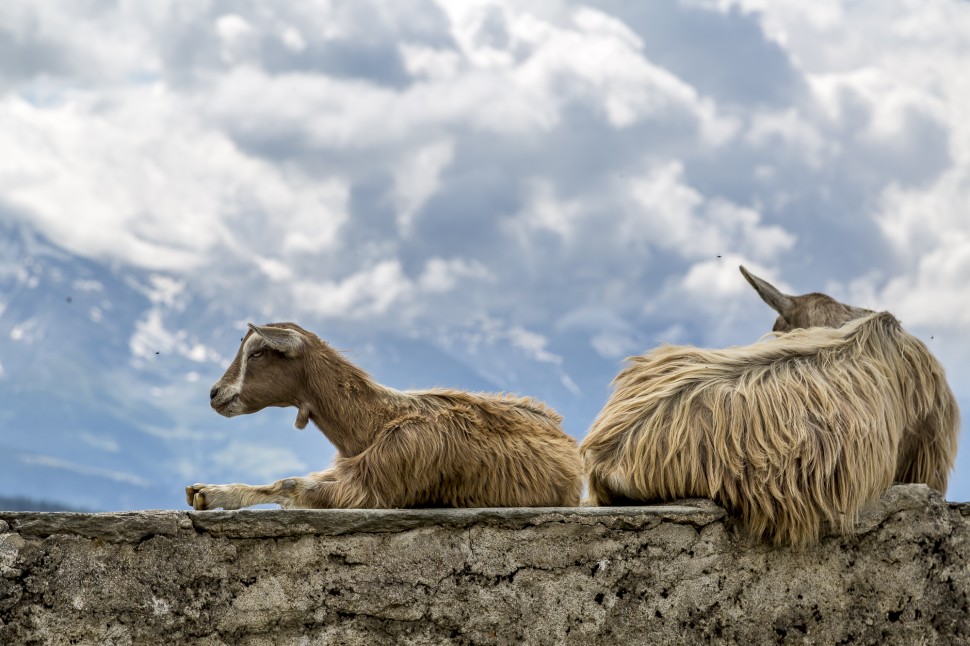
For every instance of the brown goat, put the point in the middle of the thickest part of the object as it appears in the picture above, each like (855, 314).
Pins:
(394, 448)
(808, 310)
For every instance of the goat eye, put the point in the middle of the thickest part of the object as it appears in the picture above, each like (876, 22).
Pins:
(253, 355)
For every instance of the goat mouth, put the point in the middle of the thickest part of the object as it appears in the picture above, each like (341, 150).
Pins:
(222, 407)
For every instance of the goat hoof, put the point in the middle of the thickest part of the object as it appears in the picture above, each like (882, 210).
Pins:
(196, 497)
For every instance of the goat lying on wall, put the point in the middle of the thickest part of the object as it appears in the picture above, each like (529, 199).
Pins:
(394, 449)
(927, 452)
(807, 428)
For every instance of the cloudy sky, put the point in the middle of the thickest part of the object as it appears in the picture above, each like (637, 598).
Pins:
(534, 189)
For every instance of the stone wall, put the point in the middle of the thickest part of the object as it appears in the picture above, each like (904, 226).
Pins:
(677, 574)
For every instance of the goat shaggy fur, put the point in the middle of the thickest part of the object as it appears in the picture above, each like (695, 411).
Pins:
(804, 429)
(394, 448)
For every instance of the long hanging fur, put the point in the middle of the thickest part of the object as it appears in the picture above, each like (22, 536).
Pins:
(807, 428)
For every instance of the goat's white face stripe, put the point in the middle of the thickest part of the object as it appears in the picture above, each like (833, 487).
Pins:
(236, 387)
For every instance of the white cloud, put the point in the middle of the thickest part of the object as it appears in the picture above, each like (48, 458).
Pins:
(890, 99)
(573, 54)
(668, 213)
(417, 178)
(151, 338)
(27, 331)
(429, 63)
(386, 289)
(614, 345)
(232, 28)
(165, 290)
(293, 39)
(545, 211)
(369, 292)
(934, 294)
(132, 176)
(313, 216)
(533, 344)
(793, 130)
(570, 385)
(274, 269)
(441, 275)
(599, 62)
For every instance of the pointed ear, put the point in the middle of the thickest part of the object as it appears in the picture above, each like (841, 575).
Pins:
(282, 339)
(781, 303)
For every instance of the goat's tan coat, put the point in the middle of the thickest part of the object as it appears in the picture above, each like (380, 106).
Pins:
(395, 448)
(809, 427)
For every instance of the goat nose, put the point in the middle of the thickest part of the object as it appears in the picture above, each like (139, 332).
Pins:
(213, 392)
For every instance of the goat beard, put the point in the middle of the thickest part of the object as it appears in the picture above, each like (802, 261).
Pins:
(302, 416)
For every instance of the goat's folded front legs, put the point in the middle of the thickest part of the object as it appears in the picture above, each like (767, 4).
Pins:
(297, 492)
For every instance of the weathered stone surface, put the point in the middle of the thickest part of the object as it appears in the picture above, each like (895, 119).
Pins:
(335, 522)
(675, 574)
(116, 527)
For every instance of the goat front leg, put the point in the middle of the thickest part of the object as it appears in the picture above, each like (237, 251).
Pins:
(316, 491)
(288, 492)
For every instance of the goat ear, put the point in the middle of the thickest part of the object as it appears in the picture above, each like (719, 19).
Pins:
(285, 340)
(781, 303)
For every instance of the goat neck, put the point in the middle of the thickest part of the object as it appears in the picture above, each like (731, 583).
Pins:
(343, 401)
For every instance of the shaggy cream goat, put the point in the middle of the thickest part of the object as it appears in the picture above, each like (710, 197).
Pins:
(806, 428)
(394, 448)
(927, 453)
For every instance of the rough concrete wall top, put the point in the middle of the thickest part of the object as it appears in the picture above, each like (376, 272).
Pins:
(677, 574)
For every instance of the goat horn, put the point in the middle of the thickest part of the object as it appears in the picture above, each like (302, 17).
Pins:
(781, 303)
